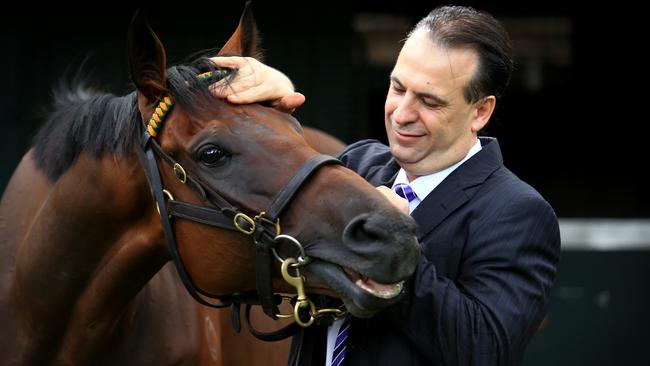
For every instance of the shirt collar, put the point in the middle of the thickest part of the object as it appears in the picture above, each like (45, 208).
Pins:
(423, 185)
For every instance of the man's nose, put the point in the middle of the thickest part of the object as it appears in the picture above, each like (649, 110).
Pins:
(405, 111)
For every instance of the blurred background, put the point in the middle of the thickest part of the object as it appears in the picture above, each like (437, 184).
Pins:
(573, 123)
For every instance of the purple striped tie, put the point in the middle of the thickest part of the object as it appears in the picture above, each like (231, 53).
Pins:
(405, 191)
(341, 343)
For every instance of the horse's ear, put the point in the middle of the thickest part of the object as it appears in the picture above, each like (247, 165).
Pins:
(147, 60)
(245, 41)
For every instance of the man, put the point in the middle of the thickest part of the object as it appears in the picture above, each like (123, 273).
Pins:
(490, 242)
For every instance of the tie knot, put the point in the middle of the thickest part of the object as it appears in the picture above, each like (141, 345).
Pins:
(405, 191)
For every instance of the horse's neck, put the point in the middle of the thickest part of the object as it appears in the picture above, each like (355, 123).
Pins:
(92, 246)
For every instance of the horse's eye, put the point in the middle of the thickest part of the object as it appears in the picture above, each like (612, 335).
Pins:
(210, 155)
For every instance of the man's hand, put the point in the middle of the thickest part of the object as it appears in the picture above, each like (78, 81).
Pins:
(401, 203)
(256, 82)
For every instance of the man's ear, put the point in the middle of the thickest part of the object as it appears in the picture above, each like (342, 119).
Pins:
(482, 112)
(147, 61)
(245, 40)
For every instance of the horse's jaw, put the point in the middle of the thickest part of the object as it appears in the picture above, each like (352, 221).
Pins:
(360, 301)
(381, 290)
(367, 265)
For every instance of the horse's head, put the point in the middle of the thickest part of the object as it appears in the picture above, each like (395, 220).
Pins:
(361, 247)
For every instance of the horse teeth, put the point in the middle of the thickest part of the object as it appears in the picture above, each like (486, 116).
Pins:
(386, 292)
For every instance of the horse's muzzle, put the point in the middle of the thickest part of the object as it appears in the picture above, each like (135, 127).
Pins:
(381, 246)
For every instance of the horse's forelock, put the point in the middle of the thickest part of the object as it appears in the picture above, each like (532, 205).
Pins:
(189, 92)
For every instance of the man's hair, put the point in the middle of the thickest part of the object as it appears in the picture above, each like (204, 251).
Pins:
(460, 26)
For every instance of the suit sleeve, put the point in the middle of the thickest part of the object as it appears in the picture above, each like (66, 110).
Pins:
(486, 315)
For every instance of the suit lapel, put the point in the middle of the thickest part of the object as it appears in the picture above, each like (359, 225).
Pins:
(456, 189)
(442, 201)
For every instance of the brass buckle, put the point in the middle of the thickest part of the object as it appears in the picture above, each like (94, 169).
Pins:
(260, 218)
(247, 219)
(180, 173)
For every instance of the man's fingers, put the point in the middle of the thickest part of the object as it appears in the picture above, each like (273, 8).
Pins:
(231, 62)
(249, 95)
(256, 82)
(401, 203)
(290, 102)
(245, 66)
(224, 88)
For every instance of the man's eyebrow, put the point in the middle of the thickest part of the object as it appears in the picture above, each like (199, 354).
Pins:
(422, 95)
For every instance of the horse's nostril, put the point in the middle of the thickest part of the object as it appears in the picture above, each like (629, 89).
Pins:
(381, 245)
(359, 230)
(380, 226)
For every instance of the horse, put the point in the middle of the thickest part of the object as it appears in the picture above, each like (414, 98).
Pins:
(132, 219)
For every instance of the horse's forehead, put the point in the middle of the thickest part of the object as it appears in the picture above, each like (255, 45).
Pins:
(245, 118)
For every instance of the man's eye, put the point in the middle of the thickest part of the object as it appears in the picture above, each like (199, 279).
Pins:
(397, 89)
(210, 155)
(430, 103)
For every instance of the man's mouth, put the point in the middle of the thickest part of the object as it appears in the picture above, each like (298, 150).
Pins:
(407, 135)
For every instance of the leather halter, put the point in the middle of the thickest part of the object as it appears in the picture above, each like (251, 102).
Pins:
(264, 227)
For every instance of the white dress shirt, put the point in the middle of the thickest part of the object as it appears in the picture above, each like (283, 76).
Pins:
(423, 185)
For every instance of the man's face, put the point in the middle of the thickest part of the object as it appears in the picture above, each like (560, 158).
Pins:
(429, 124)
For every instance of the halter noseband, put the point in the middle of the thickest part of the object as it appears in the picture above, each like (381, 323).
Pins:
(263, 227)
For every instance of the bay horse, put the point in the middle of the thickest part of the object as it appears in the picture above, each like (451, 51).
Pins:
(100, 266)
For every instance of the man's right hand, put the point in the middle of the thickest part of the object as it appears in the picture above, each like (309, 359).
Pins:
(256, 82)
(401, 203)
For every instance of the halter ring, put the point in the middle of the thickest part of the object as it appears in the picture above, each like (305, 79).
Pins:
(302, 259)
(170, 197)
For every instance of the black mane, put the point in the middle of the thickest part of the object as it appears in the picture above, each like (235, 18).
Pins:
(100, 123)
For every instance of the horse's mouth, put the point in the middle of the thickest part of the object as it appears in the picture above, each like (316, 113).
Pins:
(373, 287)
(362, 296)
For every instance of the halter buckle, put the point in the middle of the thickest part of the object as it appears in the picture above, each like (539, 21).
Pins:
(246, 219)
(261, 218)
(180, 173)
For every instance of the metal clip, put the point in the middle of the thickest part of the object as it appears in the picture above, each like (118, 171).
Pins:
(299, 283)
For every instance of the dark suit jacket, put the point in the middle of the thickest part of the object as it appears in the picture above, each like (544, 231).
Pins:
(490, 246)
